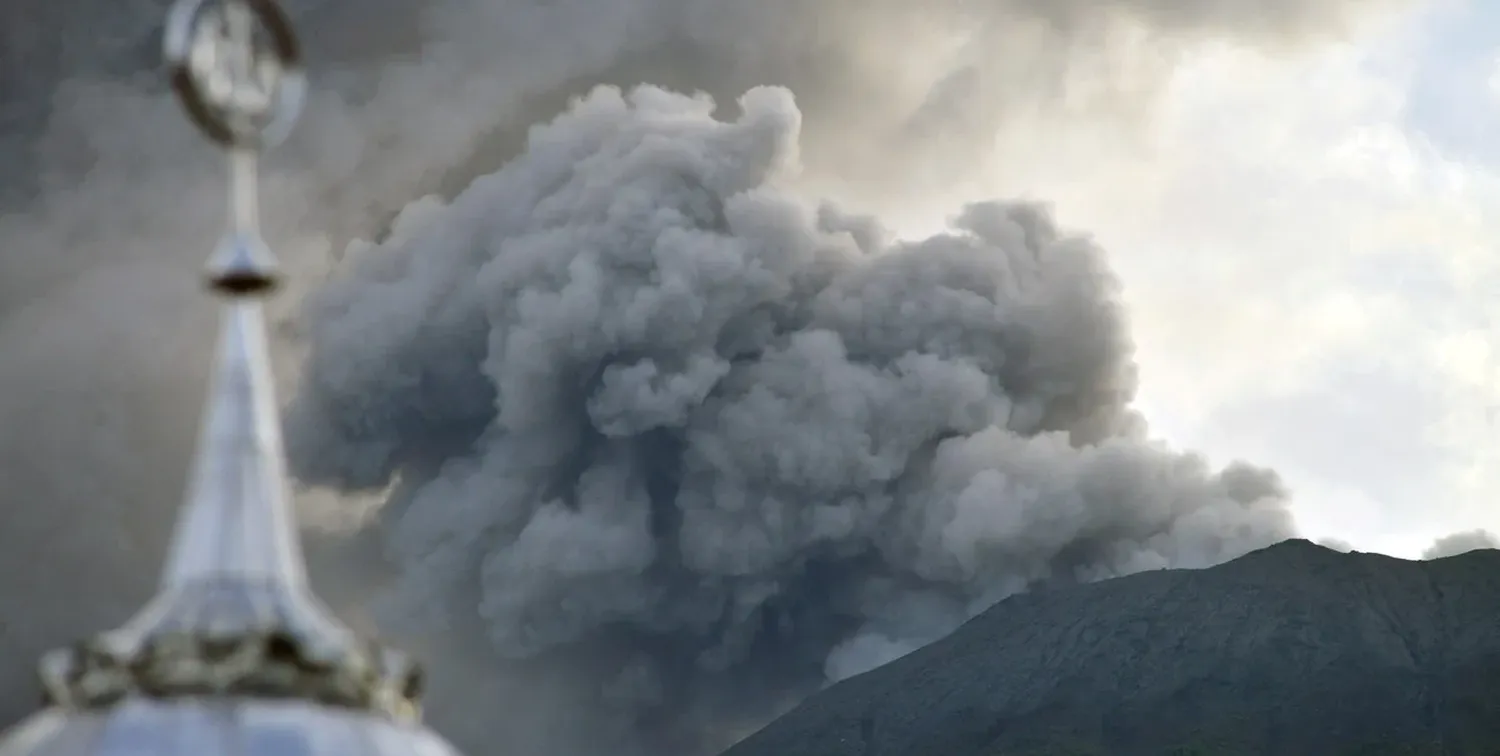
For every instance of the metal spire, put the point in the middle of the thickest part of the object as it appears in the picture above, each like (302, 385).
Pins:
(236, 524)
(234, 616)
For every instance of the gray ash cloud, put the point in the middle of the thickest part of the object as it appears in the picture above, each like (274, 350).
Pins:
(647, 408)
(1461, 543)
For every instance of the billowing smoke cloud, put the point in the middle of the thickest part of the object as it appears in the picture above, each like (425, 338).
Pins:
(1337, 544)
(107, 201)
(647, 409)
(1461, 543)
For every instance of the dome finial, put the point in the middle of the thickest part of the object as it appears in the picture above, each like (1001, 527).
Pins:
(234, 627)
(236, 67)
(235, 617)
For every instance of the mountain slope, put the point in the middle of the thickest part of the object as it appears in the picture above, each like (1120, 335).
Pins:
(1294, 649)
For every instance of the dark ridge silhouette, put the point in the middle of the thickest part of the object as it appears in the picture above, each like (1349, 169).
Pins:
(1292, 649)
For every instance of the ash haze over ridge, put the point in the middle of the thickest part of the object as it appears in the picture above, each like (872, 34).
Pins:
(647, 409)
(969, 365)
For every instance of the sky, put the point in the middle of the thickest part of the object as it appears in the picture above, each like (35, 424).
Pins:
(1306, 245)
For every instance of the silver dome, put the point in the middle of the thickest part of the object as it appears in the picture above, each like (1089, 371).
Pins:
(234, 656)
(209, 727)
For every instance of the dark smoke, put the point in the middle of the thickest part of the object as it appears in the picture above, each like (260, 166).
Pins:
(647, 409)
(108, 201)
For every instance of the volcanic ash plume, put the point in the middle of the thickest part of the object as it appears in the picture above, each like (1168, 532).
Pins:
(1461, 543)
(645, 408)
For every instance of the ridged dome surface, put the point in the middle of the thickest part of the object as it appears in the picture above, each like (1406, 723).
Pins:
(223, 727)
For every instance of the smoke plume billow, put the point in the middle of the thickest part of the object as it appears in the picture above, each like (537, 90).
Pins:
(647, 409)
(1461, 543)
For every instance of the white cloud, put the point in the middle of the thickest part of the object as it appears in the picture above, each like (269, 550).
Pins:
(1493, 81)
(1311, 279)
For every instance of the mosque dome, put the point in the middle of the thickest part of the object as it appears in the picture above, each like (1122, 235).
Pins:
(210, 726)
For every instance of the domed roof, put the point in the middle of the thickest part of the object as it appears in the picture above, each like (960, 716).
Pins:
(209, 726)
(234, 656)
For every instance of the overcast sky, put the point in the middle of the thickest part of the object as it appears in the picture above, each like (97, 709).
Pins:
(1307, 246)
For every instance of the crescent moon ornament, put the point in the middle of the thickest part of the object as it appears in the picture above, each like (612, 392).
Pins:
(236, 67)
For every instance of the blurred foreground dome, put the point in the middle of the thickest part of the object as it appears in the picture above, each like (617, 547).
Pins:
(141, 727)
